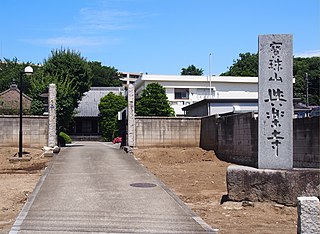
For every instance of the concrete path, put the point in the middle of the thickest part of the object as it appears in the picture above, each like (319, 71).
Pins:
(88, 189)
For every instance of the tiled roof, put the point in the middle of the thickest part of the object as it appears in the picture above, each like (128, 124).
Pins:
(88, 106)
(14, 88)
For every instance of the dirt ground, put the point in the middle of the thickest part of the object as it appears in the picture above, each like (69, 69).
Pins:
(195, 175)
(198, 177)
(18, 180)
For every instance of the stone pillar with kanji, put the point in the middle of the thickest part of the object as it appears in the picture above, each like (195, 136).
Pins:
(131, 116)
(275, 123)
(52, 138)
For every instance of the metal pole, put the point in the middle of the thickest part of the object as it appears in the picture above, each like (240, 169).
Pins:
(307, 87)
(210, 75)
(20, 115)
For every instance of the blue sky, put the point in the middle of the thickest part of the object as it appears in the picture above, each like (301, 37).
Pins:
(155, 36)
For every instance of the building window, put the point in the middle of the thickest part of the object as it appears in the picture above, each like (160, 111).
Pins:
(181, 93)
(205, 93)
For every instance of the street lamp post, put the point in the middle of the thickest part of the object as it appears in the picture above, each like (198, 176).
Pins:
(27, 71)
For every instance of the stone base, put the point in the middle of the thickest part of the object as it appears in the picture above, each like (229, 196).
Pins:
(265, 185)
(48, 153)
(20, 159)
(127, 149)
(56, 149)
(308, 215)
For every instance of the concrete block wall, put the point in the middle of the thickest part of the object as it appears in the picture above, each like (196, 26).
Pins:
(35, 131)
(167, 131)
(209, 133)
(235, 139)
(306, 142)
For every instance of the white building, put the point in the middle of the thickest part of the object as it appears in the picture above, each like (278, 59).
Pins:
(128, 78)
(221, 106)
(185, 90)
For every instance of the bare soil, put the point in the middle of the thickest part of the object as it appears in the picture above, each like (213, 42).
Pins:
(198, 177)
(18, 180)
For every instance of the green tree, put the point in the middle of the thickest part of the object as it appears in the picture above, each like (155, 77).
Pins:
(109, 107)
(65, 97)
(66, 64)
(192, 70)
(10, 71)
(37, 107)
(246, 65)
(301, 66)
(72, 75)
(154, 102)
(104, 76)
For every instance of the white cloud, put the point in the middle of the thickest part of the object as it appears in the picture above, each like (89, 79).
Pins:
(91, 26)
(96, 20)
(69, 41)
(308, 54)
(73, 41)
(105, 19)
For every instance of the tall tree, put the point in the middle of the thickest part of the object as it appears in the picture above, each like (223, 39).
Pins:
(72, 75)
(65, 97)
(10, 71)
(301, 66)
(109, 106)
(246, 65)
(154, 102)
(192, 70)
(69, 65)
(104, 76)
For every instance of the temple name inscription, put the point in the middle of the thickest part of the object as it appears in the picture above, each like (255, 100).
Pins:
(275, 101)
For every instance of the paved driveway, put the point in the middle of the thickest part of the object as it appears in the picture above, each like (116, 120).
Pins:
(92, 187)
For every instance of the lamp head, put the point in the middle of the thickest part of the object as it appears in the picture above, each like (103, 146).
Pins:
(28, 70)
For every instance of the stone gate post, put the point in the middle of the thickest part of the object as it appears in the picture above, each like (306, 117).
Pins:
(52, 133)
(131, 116)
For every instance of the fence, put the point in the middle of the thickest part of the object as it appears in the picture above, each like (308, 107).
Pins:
(35, 131)
(235, 139)
(167, 131)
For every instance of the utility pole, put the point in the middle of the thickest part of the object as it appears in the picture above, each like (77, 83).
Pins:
(210, 76)
(307, 88)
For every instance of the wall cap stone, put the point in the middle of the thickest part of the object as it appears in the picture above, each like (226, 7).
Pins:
(308, 199)
(166, 117)
(25, 116)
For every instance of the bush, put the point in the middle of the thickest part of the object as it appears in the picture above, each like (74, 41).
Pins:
(64, 139)
(109, 106)
(154, 102)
